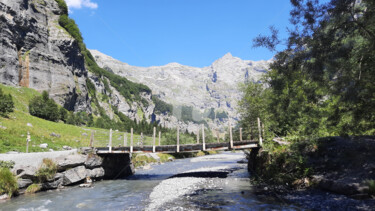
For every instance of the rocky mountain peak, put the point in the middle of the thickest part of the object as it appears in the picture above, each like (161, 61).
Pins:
(213, 87)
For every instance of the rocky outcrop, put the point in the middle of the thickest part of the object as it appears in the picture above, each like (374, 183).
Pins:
(37, 52)
(73, 169)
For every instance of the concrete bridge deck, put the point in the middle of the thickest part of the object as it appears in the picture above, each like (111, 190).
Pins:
(179, 148)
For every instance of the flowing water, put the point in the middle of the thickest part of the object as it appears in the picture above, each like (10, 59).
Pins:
(214, 182)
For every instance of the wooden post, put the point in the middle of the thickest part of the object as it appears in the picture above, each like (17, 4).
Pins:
(27, 141)
(131, 140)
(159, 137)
(260, 133)
(110, 140)
(203, 139)
(240, 133)
(198, 136)
(230, 136)
(92, 139)
(154, 137)
(125, 139)
(178, 139)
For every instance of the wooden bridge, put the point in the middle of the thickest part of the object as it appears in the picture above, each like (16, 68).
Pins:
(178, 148)
(236, 145)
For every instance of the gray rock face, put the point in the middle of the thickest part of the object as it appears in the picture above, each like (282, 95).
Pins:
(25, 172)
(70, 161)
(36, 52)
(215, 86)
(74, 175)
(93, 161)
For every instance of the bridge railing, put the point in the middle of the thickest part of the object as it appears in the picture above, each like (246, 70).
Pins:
(110, 139)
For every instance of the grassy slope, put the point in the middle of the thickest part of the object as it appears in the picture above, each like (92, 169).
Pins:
(13, 138)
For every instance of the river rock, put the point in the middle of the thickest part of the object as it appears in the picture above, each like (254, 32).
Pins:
(55, 183)
(25, 172)
(74, 175)
(4, 197)
(95, 173)
(24, 183)
(70, 161)
(93, 161)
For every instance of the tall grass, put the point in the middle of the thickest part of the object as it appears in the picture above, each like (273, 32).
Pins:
(8, 182)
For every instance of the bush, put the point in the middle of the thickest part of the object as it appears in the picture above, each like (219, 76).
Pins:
(6, 104)
(44, 107)
(7, 164)
(47, 171)
(63, 7)
(8, 182)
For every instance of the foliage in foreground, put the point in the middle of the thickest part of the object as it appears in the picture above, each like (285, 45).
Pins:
(8, 182)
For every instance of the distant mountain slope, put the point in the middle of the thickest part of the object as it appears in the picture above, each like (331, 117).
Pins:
(215, 86)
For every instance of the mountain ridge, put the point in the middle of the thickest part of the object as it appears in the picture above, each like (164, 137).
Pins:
(203, 88)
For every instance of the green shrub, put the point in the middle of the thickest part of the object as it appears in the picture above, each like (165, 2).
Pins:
(33, 188)
(7, 164)
(8, 182)
(47, 171)
(63, 7)
(44, 107)
(6, 104)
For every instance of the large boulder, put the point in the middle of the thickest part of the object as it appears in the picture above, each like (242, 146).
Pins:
(74, 175)
(93, 161)
(24, 183)
(25, 172)
(54, 183)
(70, 161)
(95, 173)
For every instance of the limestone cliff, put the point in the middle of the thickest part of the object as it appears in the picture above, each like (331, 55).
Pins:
(36, 52)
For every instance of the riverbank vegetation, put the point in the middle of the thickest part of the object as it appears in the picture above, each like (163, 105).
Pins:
(8, 182)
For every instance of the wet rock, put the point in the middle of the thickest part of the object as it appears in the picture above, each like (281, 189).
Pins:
(24, 183)
(74, 175)
(93, 161)
(52, 184)
(95, 173)
(4, 197)
(70, 161)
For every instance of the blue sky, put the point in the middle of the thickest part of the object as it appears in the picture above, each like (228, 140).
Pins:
(190, 32)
